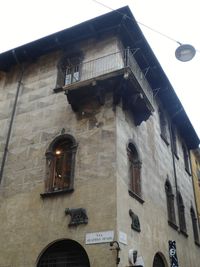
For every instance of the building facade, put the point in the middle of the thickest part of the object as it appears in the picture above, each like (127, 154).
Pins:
(195, 162)
(94, 150)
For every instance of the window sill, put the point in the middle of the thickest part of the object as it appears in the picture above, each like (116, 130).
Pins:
(176, 155)
(173, 225)
(188, 172)
(134, 195)
(58, 192)
(197, 243)
(184, 233)
(58, 90)
(164, 139)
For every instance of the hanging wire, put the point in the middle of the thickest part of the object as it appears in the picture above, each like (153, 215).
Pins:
(140, 23)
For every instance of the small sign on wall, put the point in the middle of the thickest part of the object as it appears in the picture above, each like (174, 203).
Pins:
(99, 237)
(172, 254)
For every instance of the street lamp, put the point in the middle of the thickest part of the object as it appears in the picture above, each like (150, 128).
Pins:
(185, 52)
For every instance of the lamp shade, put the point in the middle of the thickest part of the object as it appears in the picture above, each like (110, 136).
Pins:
(185, 52)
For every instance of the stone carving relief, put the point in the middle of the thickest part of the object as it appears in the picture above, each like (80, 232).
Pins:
(78, 216)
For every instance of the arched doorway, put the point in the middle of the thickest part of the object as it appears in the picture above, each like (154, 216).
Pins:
(158, 261)
(64, 253)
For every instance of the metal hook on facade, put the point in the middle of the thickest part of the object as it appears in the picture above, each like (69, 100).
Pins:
(117, 248)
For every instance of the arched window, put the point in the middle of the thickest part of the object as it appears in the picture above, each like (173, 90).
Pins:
(134, 171)
(194, 225)
(181, 213)
(60, 163)
(64, 253)
(170, 204)
(68, 69)
(158, 261)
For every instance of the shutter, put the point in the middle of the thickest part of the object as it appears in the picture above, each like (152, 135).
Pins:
(137, 180)
(50, 163)
(60, 77)
(66, 168)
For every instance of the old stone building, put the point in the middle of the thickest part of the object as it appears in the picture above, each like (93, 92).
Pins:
(195, 162)
(94, 149)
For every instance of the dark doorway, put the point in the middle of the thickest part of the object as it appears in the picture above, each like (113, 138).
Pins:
(65, 253)
(158, 261)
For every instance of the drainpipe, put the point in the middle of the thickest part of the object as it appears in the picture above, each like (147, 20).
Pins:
(12, 116)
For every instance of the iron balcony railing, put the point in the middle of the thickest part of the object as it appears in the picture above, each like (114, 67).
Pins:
(112, 65)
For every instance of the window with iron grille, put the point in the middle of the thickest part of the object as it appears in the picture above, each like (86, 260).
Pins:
(64, 253)
(135, 166)
(60, 163)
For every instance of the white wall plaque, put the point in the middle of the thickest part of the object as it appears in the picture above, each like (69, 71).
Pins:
(99, 237)
(122, 237)
(139, 261)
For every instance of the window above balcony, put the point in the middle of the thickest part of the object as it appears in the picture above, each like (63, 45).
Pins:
(117, 72)
(68, 70)
(72, 74)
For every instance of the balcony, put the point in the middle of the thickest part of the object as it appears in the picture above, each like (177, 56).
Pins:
(118, 69)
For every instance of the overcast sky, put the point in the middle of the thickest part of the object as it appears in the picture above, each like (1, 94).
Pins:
(23, 21)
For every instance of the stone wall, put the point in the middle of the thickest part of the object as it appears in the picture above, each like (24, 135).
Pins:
(157, 165)
(195, 161)
(28, 222)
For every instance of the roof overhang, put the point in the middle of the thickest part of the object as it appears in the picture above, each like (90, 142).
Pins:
(123, 23)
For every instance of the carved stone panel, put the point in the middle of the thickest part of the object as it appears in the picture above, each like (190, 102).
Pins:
(135, 225)
(78, 216)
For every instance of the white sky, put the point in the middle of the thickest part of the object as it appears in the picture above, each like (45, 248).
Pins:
(22, 21)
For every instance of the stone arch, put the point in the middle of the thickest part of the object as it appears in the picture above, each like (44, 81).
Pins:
(132, 144)
(60, 164)
(59, 138)
(61, 253)
(159, 260)
(170, 203)
(135, 167)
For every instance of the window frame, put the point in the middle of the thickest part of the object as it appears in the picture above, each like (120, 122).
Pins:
(181, 214)
(134, 172)
(194, 226)
(51, 164)
(170, 205)
(174, 141)
(69, 61)
(72, 74)
(164, 126)
(186, 158)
